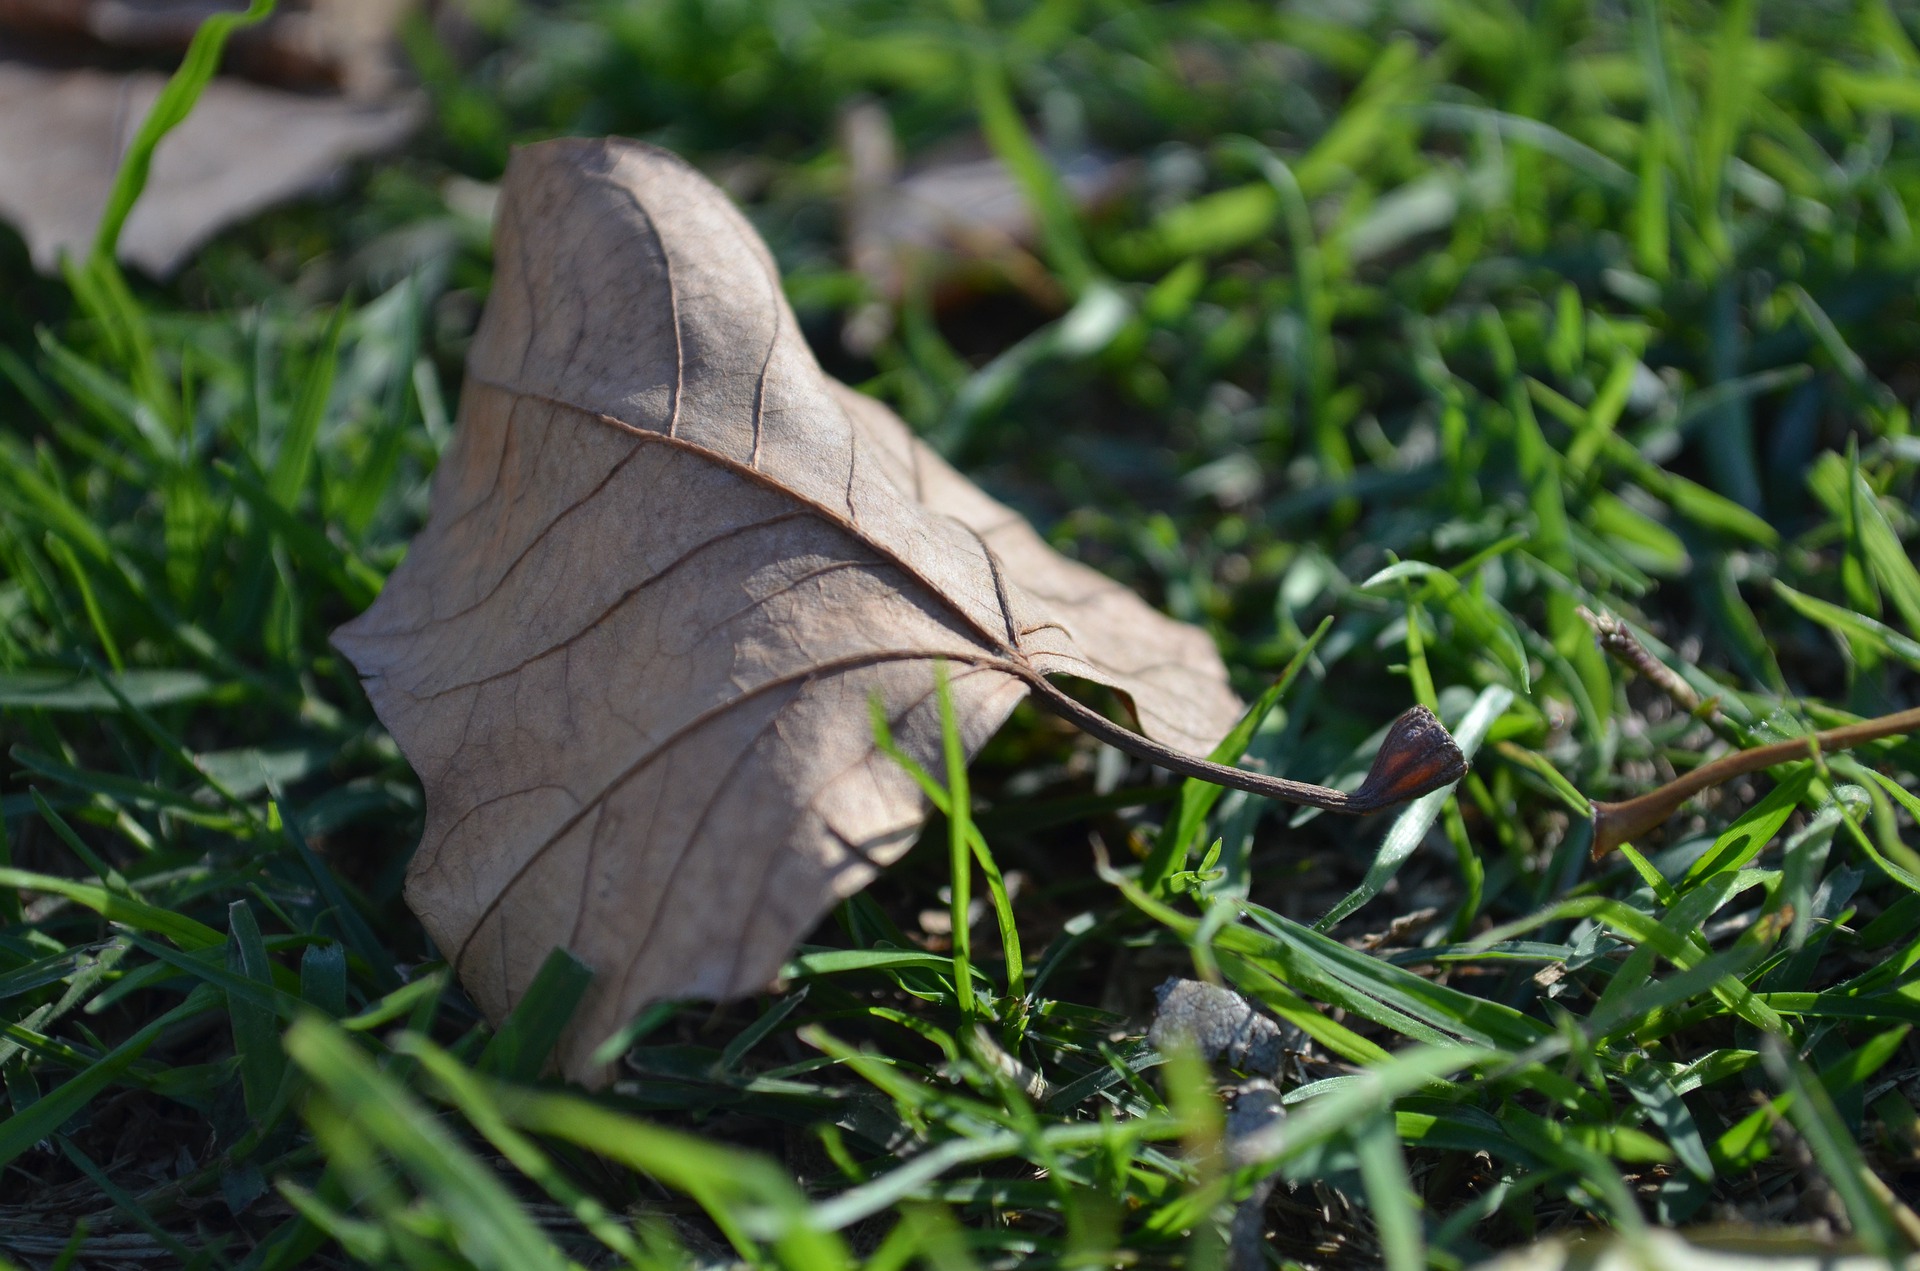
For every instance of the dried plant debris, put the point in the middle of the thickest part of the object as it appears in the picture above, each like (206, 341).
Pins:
(332, 92)
(1219, 1024)
(343, 46)
(242, 150)
(670, 566)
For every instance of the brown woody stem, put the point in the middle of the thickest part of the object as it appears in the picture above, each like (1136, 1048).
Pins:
(1617, 823)
(1417, 757)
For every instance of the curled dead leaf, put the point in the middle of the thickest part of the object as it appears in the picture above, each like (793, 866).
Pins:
(669, 563)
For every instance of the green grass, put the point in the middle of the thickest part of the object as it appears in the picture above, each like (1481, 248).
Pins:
(1416, 332)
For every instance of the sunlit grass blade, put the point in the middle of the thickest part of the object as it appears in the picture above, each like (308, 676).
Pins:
(959, 810)
(1198, 797)
(942, 799)
(484, 1222)
(172, 106)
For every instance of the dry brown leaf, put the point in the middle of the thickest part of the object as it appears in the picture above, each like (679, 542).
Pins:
(243, 149)
(336, 44)
(668, 564)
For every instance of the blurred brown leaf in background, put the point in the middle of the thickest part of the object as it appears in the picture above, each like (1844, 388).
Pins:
(954, 223)
(323, 86)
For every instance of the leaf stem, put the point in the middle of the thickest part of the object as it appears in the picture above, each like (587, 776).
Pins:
(1417, 757)
(1617, 823)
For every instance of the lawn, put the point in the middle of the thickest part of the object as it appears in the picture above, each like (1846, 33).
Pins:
(1404, 348)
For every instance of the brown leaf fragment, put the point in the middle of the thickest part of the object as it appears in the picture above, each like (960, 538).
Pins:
(243, 149)
(347, 45)
(669, 562)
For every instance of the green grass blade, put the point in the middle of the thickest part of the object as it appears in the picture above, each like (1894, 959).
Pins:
(959, 811)
(459, 1086)
(1892, 564)
(1746, 837)
(47, 1114)
(115, 907)
(484, 1221)
(293, 459)
(519, 1051)
(1811, 1110)
(752, 1197)
(1390, 1194)
(173, 105)
(256, 1031)
(1197, 797)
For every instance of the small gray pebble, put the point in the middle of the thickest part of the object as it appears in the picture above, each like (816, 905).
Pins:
(1255, 1121)
(1219, 1023)
(1254, 1117)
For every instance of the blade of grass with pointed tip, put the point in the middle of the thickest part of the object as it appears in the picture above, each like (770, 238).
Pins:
(294, 458)
(116, 907)
(323, 978)
(71, 691)
(172, 106)
(256, 1030)
(756, 1032)
(409, 998)
(1891, 564)
(1855, 627)
(519, 1051)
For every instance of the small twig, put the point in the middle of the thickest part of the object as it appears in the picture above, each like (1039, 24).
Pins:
(1618, 641)
(1617, 823)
